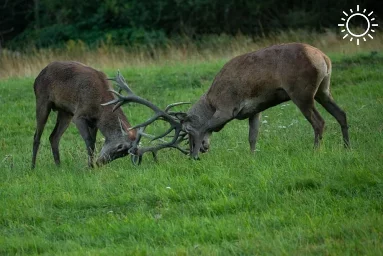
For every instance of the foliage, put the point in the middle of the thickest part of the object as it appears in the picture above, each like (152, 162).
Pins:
(53, 22)
(287, 199)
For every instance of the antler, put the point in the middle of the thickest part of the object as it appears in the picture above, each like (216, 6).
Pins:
(166, 115)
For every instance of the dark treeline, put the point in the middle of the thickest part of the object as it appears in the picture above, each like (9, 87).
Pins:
(43, 23)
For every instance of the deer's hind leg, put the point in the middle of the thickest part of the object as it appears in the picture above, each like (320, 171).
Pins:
(305, 102)
(62, 123)
(324, 98)
(43, 110)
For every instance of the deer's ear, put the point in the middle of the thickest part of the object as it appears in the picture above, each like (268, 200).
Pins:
(182, 117)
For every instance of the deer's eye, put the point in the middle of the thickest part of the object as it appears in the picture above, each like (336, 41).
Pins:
(120, 147)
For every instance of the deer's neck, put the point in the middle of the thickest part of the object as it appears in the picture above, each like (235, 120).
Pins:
(202, 109)
(109, 123)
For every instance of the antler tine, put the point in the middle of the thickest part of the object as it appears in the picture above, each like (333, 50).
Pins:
(177, 146)
(152, 137)
(122, 129)
(182, 134)
(163, 135)
(175, 113)
(110, 102)
(117, 101)
(140, 151)
(146, 123)
(168, 107)
(120, 80)
(184, 151)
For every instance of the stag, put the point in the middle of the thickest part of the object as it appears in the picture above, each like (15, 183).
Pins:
(247, 85)
(76, 92)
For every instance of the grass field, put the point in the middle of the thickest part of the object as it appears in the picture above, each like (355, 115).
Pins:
(288, 199)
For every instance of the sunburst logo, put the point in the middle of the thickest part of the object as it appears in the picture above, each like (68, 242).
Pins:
(346, 26)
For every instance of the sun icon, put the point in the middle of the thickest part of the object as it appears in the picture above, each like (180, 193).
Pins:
(347, 19)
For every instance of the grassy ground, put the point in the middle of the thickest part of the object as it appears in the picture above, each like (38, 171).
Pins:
(286, 200)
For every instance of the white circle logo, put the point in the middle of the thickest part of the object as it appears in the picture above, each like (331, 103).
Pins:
(347, 29)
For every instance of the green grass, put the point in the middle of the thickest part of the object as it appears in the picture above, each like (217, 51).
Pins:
(288, 199)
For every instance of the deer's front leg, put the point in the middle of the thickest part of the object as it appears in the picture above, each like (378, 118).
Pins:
(89, 138)
(253, 130)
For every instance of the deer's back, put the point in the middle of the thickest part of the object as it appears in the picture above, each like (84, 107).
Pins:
(257, 75)
(73, 87)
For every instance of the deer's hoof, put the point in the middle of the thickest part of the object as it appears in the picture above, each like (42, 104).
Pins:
(195, 158)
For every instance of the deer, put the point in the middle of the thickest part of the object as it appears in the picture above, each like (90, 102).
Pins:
(76, 92)
(245, 86)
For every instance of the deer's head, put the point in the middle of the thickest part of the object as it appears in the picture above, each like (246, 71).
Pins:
(117, 145)
(195, 126)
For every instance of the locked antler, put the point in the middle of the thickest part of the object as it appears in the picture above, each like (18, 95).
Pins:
(165, 115)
